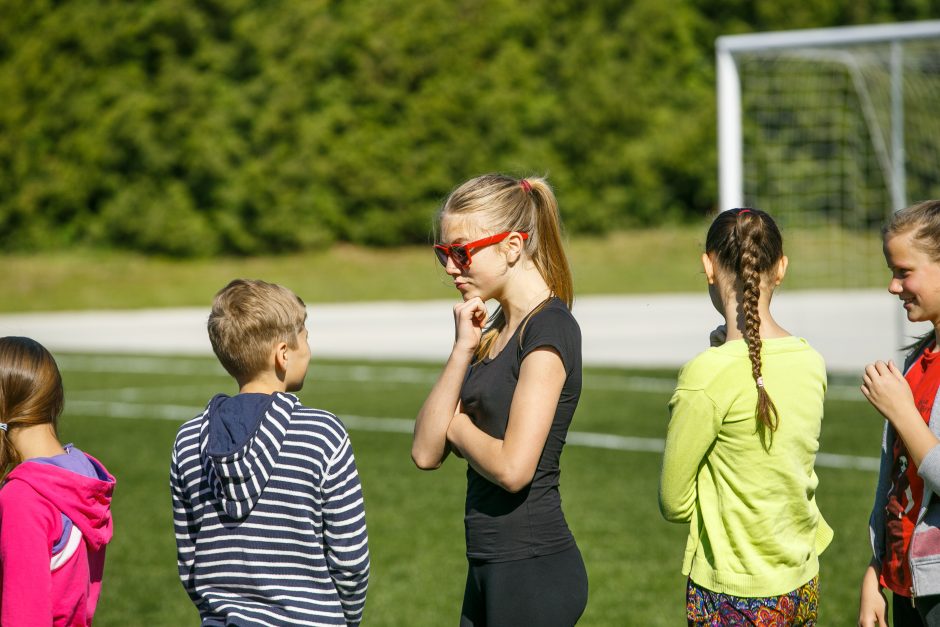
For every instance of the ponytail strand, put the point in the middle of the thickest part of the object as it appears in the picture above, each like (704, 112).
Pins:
(548, 253)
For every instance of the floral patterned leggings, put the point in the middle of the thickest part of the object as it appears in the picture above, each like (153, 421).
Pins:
(714, 609)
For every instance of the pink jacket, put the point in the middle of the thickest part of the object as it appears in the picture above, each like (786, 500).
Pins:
(37, 588)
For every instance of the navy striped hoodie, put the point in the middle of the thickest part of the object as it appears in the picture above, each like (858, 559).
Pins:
(268, 512)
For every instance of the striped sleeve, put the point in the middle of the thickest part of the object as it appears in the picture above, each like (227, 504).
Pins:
(184, 524)
(344, 532)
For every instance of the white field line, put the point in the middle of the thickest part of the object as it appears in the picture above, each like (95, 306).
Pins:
(364, 373)
(82, 403)
(405, 426)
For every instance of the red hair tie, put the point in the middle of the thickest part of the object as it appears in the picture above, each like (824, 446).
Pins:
(526, 186)
(744, 211)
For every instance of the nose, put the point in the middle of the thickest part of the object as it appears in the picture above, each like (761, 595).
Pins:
(452, 268)
(894, 287)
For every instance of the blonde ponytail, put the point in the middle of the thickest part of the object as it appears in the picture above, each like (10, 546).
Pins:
(549, 253)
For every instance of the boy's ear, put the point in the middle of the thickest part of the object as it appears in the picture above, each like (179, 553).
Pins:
(280, 356)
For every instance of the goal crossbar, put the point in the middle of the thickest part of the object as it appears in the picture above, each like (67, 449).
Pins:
(840, 36)
(730, 133)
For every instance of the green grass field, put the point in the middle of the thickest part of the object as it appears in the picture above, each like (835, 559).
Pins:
(125, 410)
(657, 260)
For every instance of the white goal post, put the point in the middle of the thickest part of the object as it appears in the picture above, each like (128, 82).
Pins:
(830, 130)
(824, 40)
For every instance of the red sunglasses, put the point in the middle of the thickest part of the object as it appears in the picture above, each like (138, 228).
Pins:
(460, 253)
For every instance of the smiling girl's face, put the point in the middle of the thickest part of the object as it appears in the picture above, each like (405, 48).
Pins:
(915, 277)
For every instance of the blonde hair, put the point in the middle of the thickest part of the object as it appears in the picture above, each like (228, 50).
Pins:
(31, 392)
(923, 218)
(747, 243)
(503, 203)
(248, 318)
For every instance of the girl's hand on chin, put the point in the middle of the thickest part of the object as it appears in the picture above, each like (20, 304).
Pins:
(469, 318)
(884, 386)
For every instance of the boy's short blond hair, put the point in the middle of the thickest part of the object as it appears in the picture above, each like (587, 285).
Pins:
(248, 318)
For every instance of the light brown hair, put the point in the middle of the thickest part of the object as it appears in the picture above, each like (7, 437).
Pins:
(504, 203)
(748, 244)
(248, 318)
(924, 219)
(31, 391)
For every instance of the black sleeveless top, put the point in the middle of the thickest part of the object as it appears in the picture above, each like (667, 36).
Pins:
(502, 526)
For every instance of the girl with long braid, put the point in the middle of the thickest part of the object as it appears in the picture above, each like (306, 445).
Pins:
(505, 400)
(741, 444)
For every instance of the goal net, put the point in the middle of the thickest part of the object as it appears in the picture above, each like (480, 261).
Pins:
(830, 130)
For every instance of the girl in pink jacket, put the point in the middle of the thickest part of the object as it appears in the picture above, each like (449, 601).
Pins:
(55, 501)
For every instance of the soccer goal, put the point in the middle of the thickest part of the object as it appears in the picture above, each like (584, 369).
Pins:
(830, 130)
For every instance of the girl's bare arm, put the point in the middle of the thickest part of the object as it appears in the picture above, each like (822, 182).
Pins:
(511, 462)
(429, 446)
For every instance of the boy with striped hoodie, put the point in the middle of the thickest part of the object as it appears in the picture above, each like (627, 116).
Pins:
(267, 504)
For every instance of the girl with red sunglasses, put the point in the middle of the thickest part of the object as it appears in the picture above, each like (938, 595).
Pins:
(505, 400)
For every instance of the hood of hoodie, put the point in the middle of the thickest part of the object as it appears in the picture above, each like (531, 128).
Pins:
(85, 500)
(241, 446)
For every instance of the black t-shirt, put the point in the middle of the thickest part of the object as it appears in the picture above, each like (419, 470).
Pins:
(502, 526)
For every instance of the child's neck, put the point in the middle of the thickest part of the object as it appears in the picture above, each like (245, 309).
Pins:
(36, 441)
(253, 388)
(768, 330)
(527, 291)
(268, 383)
(735, 325)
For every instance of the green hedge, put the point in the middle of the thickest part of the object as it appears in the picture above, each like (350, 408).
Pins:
(198, 127)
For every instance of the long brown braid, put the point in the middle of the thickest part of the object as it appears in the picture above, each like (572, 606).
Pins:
(748, 243)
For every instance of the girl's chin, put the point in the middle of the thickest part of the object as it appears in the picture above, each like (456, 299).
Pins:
(915, 315)
(473, 294)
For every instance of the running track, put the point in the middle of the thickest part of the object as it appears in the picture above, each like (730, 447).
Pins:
(849, 328)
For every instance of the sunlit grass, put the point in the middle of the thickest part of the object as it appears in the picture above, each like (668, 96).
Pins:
(629, 262)
(415, 518)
